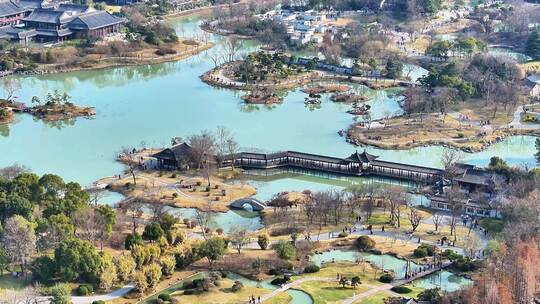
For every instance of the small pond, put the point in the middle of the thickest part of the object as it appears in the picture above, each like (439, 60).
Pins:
(445, 280)
(500, 51)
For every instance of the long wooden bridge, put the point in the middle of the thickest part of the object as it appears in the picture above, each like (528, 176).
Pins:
(357, 164)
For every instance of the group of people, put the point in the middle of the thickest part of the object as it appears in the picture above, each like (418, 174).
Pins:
(252, 300)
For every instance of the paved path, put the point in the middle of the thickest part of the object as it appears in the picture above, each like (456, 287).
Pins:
(516, 122)
(89, 299)
(107, 297)
(389, 234)
(372, 291)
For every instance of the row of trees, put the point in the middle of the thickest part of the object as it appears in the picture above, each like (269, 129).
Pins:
(342, 208)
(492, 78)
(461, 46)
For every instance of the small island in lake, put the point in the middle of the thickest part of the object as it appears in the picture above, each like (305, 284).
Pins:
(259, 70)
(327, 88)
(263, 96)
(58, 106)
(348, 98)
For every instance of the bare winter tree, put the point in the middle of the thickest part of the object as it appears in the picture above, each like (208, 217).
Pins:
(19, 241)
(216, 58)
(223, 136)
(437, 219)
(13, 171)
(95, 197)
(27, 295)
(85, 223)
(11, 86)
(232, 150)
(232, 46)
(395, 198)
(158, 211)
(134, 210)
(415, 218)
(203, 149)
(127, 154)
(204, 218)
(454, 199)
(239, 238)
(449, 160)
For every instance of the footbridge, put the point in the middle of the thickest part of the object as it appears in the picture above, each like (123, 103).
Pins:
(357, 164)
(255, 204)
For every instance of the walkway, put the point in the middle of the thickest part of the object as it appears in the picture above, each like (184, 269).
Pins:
(516, 122)
(372, 291)
(118, 293)
(107, 297)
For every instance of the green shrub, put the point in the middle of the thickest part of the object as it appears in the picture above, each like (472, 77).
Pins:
(424, 250)
(312, 268)
(188, 284)
(274, 272)
(364, 243)
(386, 278)
(420, 252)
(492, 225)
(280, 280)
(401, 289)
(84, 289)
(237, 286)
(343, 234)
(165, 297)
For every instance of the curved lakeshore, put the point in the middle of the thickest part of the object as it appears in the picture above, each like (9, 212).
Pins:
(419, 139)
(108, 62)
(272, 178)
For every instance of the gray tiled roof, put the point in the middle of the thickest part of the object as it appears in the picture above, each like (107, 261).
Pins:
(94, 20)
(30, 4)
(8, 8)
(47, 16)
(10, 32)
(54, 33)
(73, 8)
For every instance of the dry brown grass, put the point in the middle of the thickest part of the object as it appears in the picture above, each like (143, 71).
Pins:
(190, 191)
(419, 130)
(454, 26)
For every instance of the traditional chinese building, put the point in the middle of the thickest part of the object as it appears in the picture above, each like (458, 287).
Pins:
(43, 22)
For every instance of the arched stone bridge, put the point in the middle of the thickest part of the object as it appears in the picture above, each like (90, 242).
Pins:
(255, 204)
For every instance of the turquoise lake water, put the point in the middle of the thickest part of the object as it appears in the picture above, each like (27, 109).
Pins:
(154, 103)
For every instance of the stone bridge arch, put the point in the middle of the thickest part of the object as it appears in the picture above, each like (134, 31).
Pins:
(255, 204)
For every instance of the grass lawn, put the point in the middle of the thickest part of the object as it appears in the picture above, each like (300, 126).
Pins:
(347, 269)
(9, 282)
(224, 295)
(414, 291)
(329, 292)
(377, 298)
(492, 225)
(424, 231)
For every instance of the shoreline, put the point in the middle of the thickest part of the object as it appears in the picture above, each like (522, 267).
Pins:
(215, 78)
(129, 61)
(467, 148)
